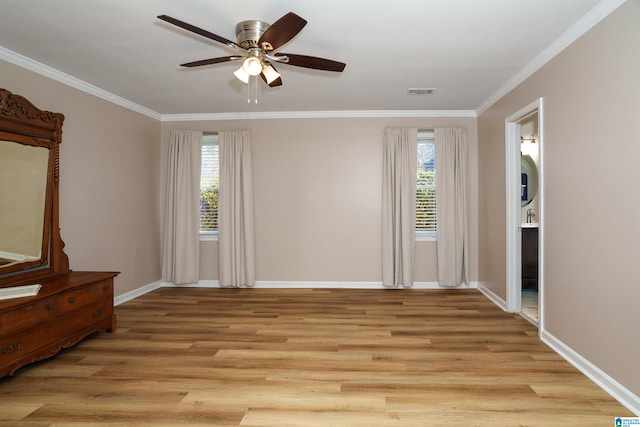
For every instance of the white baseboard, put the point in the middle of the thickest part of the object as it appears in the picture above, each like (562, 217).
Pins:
(200, 284)
(128, 296)
(604, 381)
(280, 284)
(264, 284)
(436, 285)
(492, 296)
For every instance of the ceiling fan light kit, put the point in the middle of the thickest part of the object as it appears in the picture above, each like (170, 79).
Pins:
(270, 74)
(255, 46)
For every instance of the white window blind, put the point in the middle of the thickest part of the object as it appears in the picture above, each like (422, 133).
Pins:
(209, 184)
(426, 184)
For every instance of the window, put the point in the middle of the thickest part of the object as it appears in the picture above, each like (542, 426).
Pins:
(426, 186)
(209, 183)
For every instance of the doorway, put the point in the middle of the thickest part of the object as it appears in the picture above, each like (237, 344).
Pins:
(524, 212)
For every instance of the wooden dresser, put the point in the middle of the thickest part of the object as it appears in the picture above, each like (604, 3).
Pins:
(69, 305)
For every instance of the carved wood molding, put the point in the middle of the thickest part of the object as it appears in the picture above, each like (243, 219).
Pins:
(19, 110)
(17, 105)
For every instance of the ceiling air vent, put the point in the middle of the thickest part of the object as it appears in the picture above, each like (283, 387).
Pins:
(421, 91)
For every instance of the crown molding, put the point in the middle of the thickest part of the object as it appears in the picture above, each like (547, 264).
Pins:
(266, 115)
(588, 21)
(52, 73)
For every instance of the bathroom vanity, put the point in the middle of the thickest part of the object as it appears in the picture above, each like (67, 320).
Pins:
(530, 256)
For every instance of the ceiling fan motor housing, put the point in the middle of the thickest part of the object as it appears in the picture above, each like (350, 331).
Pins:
(249, 32)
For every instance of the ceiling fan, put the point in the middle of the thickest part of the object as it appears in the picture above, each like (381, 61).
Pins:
(256, 43)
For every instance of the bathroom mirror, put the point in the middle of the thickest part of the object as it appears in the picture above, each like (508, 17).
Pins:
(529, 175)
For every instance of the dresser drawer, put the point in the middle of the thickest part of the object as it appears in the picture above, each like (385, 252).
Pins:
(18, 345)
(73, 300)
(25, 317)
(87, 315)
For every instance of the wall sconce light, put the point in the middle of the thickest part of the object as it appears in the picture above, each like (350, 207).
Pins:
(531, 139)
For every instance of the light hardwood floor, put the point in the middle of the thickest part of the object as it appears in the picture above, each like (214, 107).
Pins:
(303, 357)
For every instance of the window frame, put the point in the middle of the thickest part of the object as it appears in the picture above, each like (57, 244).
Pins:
(425, 136)
(208, 140)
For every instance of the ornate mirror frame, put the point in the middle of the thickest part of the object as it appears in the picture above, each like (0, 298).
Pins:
(24, 123)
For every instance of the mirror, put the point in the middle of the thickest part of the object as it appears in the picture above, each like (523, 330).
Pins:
(30, 243)
(529, 177)
(23, 191)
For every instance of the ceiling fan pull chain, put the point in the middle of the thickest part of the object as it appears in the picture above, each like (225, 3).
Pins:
(255, 81)
(249, 92)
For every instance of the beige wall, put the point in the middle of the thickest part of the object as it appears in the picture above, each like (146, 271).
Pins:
(317, 194)
(317, 191)
(109, 183)
(591, 213)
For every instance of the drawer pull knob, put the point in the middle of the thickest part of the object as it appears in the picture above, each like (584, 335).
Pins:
(28, 308)
(97, 313)
(11, 348)
(72, 299)
(51, 306)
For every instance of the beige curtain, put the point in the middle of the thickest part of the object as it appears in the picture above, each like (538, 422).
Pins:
(180, 239)
(236, 242)
(452, 206)
(398, 206)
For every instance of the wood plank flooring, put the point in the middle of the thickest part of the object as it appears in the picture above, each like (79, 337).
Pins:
(304, 357)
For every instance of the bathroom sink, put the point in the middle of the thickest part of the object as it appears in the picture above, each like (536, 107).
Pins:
(530, 225)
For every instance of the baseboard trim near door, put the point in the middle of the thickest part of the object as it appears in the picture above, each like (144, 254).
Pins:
(595, 374)
(497, 300)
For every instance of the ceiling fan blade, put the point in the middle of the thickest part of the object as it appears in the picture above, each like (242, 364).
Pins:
(211, 61)
(311, 62)
(281, 31)
(200, 31)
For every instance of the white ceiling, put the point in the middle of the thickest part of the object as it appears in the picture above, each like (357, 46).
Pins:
(470, 50)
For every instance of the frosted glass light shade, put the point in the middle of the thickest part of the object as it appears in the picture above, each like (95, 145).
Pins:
(270, 74)
(252, 66)
(242, 75)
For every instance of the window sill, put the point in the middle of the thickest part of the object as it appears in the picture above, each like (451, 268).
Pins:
(208, 236)
(426, 236)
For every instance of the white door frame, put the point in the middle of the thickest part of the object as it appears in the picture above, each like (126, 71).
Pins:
(514, 237)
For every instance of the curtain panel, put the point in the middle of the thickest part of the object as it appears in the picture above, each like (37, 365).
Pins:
(398, 206)
(181, 228)
(452, 205)
(236, 235)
